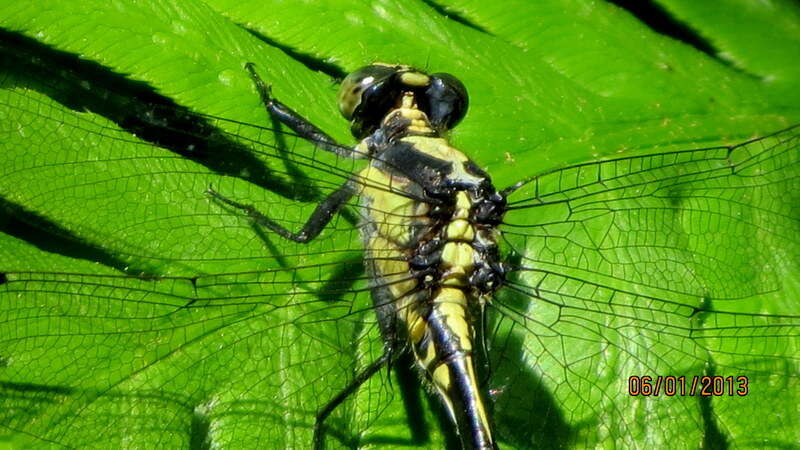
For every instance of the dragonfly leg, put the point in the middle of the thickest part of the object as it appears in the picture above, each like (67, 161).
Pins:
(295, 121)
(359, 379)
(321, 216)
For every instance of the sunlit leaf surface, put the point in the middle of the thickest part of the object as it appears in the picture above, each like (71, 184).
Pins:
(652, 236)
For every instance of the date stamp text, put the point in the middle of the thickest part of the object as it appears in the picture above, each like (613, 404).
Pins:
(703, 386)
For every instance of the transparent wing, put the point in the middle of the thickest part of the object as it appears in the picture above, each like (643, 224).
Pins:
(197, 322)
(133, 304)
(682, 263)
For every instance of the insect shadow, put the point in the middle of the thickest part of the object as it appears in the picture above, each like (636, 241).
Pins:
(525, 411)
(137, 108)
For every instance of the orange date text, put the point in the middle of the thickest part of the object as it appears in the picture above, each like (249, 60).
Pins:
(698, 385)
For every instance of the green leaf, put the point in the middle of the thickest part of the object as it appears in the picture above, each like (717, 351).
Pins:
(219, 336)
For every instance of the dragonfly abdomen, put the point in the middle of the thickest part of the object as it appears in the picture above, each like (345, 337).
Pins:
(445, 353)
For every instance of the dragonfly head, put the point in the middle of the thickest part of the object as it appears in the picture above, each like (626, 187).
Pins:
(371, 92)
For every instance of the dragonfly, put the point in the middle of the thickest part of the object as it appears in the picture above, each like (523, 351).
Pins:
(619, 269)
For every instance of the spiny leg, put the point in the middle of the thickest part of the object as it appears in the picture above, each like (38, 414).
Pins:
(359, 379)
(324, 212)
(295, 121)
(321, 216)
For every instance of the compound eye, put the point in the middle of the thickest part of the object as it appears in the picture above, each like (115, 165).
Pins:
(355, 84)
(445, 101)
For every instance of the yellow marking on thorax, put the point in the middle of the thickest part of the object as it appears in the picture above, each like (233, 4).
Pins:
(458, 256)
(393, 214)
(393, 270)
(390, 261)
(457, 264)
(459, 229)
